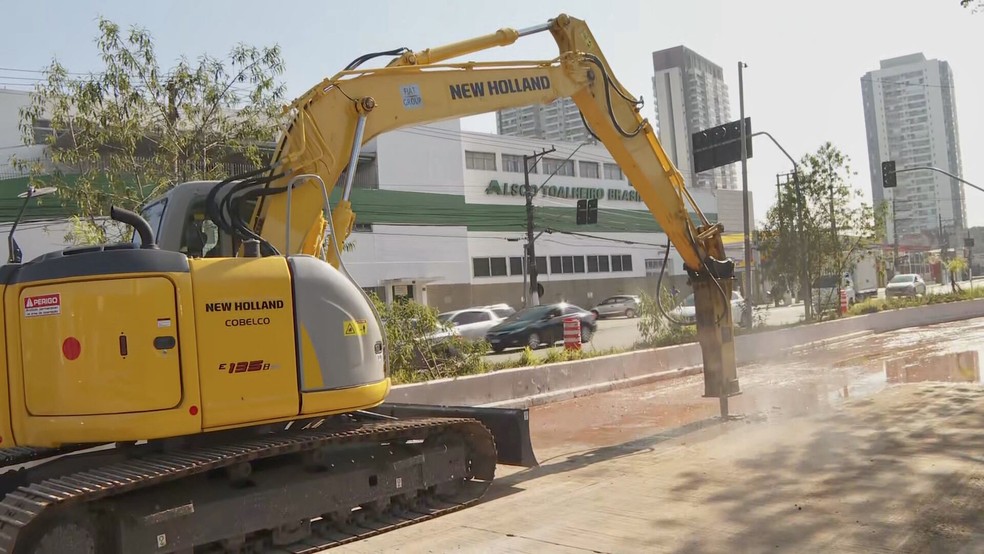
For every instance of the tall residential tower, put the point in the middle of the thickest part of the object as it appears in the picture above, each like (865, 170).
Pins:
(910, 117)
(691, 96)
(558, 120)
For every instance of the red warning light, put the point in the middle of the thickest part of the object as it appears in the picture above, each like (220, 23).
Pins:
(193, 410)
(71, 348)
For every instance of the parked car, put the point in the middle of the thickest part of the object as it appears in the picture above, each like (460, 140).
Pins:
(472, 323)
(501, 310)
(826, 291)
(686, 312)
(905, 284)
(627, 305)
(539, 326)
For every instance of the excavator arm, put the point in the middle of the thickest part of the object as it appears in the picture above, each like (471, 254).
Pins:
(331, 121)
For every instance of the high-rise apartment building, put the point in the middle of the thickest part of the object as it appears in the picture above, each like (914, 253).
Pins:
(911, 117)
(691, 96)
(559, 120)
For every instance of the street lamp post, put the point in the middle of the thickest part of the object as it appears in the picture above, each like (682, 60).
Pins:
(803, 253)
(940, 216)
(746, 314)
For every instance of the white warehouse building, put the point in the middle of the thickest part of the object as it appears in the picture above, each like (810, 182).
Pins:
(441, 218)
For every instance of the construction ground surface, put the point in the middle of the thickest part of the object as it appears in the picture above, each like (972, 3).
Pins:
(874, 444)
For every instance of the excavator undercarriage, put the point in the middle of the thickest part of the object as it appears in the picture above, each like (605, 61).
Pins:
(304, 487)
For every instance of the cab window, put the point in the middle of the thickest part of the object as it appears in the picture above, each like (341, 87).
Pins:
(200, 237)
(154, 214)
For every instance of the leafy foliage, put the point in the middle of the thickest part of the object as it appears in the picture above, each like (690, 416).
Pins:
(881, 304)
(654, 327)
(133, 130)
(956, 266)
(527, 358)
(420, 346)
(825, 223)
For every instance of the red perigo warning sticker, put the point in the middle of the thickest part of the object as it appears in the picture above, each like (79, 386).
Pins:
(46, 304)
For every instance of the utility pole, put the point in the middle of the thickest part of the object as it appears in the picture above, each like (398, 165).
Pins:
(782, 213)
(944, 273)
(803, 250)
(943, 249)
(969, 247)
(533, 294)
(746, 315)
(833, 213)
(895, 235)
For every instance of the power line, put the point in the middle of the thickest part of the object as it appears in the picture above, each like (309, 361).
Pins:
(44, 71)
(596, 237)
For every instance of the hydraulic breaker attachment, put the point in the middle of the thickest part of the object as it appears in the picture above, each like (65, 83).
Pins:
(715, 328)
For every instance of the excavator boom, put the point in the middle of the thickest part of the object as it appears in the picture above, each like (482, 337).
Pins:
(330, 123)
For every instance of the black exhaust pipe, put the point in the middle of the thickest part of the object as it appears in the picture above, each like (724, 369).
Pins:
(138, 223)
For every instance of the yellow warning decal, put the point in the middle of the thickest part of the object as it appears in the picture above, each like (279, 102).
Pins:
(356, 327)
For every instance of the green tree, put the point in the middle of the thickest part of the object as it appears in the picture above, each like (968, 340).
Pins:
(975, 6)
(421, 347)
(134, 129)
(655, 326)
(827, 224)
(955, 266)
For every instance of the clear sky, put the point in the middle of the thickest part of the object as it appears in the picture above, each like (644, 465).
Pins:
(802, 84)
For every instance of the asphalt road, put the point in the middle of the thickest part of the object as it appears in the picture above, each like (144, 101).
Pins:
(872, 444)
(621, 332)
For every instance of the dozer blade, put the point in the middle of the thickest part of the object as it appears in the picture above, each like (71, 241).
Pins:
(509, 427)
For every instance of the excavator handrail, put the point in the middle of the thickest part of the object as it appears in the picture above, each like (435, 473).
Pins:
(290, 190)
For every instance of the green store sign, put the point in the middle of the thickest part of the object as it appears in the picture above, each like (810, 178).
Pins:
(575, 193)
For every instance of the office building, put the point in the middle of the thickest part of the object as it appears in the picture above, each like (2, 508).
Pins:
(911, 117)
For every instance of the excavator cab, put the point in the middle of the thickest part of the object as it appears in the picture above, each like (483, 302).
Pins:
(180, 222)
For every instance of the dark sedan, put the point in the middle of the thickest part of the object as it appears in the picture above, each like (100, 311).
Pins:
(539, 326)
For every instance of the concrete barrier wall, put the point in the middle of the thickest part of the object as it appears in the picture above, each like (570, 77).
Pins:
(535, 385)
(510, 384)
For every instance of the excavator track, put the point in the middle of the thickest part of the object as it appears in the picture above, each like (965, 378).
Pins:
(298, 491)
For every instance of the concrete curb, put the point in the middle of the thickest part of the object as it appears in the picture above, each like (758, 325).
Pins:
(827, 342)
(568, 394)
(542, 384)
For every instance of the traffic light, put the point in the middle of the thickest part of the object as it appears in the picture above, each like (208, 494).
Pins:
(888, 174)
(587, 212)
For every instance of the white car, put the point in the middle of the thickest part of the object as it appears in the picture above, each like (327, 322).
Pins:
(687, 312)
(473, 323)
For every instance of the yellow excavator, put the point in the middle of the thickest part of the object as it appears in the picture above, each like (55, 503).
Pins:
(219, 384)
